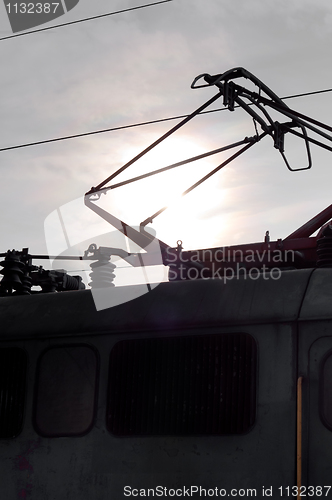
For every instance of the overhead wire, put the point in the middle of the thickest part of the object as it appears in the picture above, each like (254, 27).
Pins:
(85, 19)
(139, 124)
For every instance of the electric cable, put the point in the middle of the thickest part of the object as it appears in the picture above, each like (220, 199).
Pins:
(86, 19)
(151, 122)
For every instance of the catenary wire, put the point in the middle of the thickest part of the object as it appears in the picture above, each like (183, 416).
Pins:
(151, 122)
(86, 19)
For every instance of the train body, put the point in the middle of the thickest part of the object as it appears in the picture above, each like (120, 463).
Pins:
(214, 384)
(198, 388)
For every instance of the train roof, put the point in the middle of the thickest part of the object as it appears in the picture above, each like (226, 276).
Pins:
(296, 295)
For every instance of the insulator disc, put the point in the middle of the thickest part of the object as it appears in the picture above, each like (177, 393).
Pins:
(72, 283)
(102, 274)
(11, 266)
(26, 285)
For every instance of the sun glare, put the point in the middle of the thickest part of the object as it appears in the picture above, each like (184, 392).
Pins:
(184, 216)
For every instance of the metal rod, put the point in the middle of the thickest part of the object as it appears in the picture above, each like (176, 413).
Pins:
(300, 118)
(295, 113)
(314, 141)
(276, 103)
(178, 164)
(299, 437)
(141, 238)
(253, 114)
(312, 225)
(58, 257)
(158, 141)
(219, 167)
(223, 164)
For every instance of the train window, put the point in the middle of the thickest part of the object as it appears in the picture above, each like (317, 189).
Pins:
(326, 390)
(13, 366)
(66, 391)
(195, 385)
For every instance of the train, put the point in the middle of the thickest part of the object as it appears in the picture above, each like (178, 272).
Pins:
(195, 384)
(215, 383)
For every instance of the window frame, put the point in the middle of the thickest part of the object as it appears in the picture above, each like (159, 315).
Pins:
(95, 398)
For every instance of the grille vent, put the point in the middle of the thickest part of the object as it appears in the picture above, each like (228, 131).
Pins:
(13, 365)
(182, 385)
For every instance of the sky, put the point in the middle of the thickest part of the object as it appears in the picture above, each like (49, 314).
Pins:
(138, 66)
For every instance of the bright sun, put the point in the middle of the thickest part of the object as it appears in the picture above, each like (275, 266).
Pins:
(196, 219)
(184, 217)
